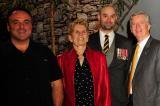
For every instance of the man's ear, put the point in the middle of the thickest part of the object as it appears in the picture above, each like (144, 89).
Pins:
(149, 27)
(70, 38)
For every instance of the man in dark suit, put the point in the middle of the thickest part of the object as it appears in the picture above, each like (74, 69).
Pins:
(118, 53)
(145, 84)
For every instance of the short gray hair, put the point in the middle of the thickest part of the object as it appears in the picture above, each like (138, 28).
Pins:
(147, 17)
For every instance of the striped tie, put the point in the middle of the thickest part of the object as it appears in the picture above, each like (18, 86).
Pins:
(106, 44)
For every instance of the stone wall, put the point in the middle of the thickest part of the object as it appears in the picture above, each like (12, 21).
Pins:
(42, 12)
(52, 17)
(87, 9)
(65, 14)
(42, 26)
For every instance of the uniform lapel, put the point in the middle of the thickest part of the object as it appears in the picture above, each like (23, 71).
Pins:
(116, 41)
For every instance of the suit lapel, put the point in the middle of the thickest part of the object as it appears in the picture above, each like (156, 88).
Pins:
(110, 53)
(97, 41)
(117, 39)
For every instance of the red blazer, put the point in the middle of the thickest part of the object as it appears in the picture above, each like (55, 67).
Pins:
(98, 65)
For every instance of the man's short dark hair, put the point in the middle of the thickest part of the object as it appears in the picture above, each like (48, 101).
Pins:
(18, 9)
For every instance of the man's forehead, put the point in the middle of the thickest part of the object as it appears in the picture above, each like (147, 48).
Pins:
(20, 14)
(108, 10)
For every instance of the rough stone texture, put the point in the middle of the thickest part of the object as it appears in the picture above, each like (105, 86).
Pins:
(42, 23)
(41, 12)
(87, 9)
(54, 33)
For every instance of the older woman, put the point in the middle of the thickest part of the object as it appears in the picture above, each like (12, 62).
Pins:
(86, 81)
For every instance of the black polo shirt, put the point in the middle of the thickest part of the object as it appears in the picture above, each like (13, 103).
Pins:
(27, 76)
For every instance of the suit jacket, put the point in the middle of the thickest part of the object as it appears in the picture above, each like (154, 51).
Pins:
(146, 81)
(98, 65)
(118, 69)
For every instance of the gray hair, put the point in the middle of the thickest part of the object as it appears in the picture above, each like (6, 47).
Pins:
(147, 17)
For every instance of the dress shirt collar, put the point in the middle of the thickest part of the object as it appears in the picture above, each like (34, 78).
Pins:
(143, 43)
(102, 37)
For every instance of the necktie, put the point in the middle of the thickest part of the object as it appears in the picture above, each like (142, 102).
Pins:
(106, 44)
(133, 68)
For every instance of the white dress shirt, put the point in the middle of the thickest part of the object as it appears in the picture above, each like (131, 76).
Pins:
(102, 38)
(141, 44)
